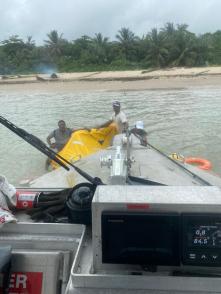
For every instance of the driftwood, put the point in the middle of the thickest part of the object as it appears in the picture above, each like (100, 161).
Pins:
(40, 79)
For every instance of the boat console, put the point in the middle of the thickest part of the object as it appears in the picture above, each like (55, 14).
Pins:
(153, 238)
(150, 236)
(170, 239)
(157, 226)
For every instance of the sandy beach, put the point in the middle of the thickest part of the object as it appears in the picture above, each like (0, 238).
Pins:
(115, 80)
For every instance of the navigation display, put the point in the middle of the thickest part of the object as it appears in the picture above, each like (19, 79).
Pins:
(201, 239)
(140, 238)
(205, 236)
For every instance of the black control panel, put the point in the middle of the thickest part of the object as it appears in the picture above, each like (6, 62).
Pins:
(141, 238)
(201, 239)
(170, 239)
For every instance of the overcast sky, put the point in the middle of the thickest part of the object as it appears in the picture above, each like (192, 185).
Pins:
(75, 18)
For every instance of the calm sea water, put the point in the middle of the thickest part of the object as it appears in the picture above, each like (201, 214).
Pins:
(186, 121)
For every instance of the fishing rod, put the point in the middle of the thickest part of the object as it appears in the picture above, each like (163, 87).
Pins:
(42, 147)
(181, 166)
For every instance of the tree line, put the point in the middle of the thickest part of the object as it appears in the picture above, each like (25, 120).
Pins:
(172, 45)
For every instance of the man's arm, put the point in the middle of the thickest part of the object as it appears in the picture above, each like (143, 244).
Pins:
(49, 137)
(106, 124)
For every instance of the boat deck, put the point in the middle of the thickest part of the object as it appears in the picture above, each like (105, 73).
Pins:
(148, 164)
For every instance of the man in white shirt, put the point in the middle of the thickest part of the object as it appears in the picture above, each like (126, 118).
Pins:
(118, 117)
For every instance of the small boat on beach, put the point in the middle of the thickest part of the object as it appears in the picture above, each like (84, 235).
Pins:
(45, 78)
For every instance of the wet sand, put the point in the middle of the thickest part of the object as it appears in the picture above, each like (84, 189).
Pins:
(115, 80)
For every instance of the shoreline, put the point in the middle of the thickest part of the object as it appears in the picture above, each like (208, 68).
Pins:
(173, 78)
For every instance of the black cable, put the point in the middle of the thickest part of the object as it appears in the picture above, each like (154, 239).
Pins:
(131, 180)
(181, 166)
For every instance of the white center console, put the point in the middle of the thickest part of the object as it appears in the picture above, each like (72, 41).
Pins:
(154, 238)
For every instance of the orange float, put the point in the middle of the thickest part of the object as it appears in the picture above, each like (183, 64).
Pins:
(200, 162)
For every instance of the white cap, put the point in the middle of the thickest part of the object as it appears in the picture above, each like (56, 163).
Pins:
(116, 103)
(139, 125)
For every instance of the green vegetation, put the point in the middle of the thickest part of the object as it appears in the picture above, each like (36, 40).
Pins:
(167, 47)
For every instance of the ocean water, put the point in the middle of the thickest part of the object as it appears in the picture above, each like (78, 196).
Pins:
(186, 121)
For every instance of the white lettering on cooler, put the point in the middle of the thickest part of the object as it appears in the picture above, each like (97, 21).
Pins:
(18, 281)
(25, 283)
(27, 197)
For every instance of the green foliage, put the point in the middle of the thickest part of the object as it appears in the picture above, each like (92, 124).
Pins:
(170, 46)
(157, 50)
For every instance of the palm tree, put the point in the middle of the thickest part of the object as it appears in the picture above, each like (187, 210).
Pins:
(81, 48)
(55, 43)
(99, 40)
(100, 48)
(184, 47)
(157, 52)
(19, 54)
(13, 46)
(214, 41)
(182, 28)
(127, 41)
(168, 29)
(126, 36)
(30, 43)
